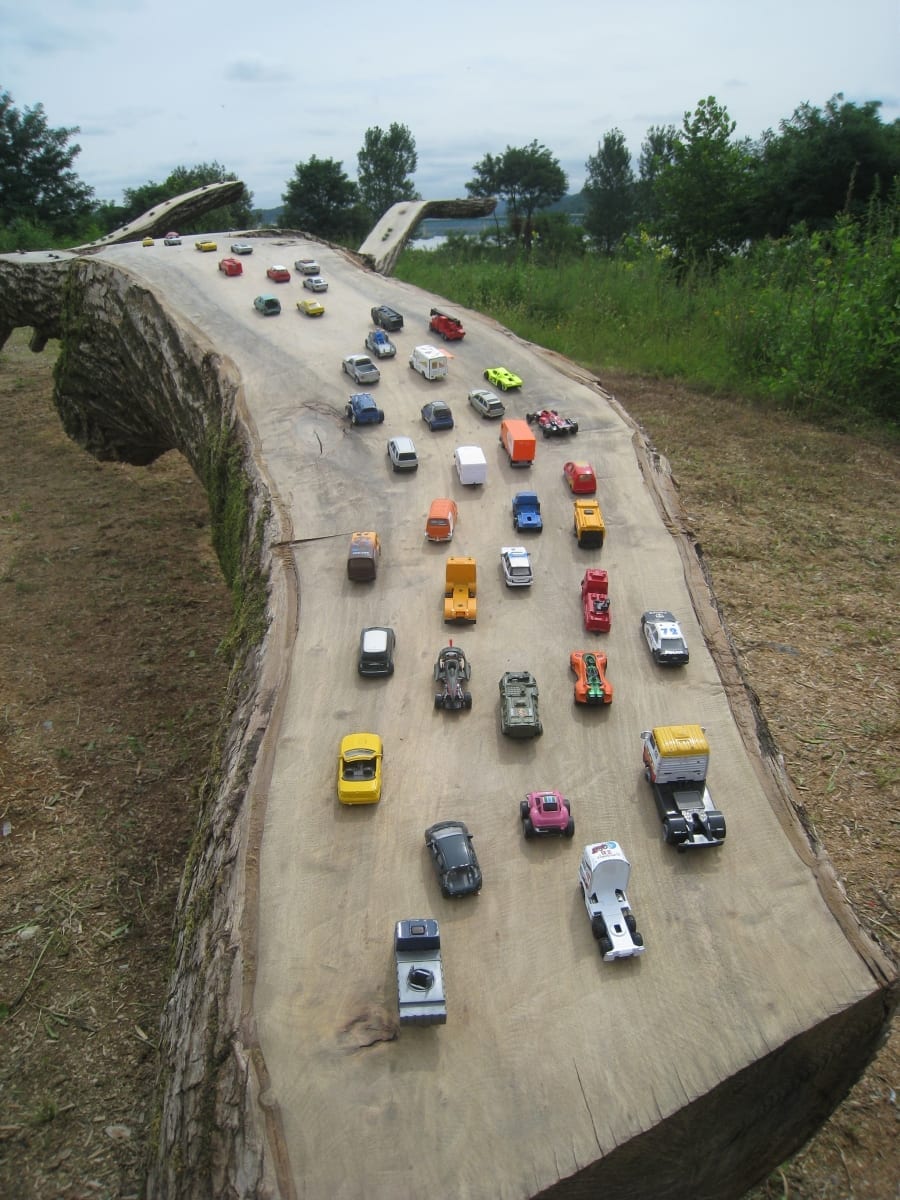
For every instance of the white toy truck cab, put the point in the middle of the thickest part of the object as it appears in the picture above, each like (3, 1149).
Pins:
(676, 762)
(420, 972)
(604, 875)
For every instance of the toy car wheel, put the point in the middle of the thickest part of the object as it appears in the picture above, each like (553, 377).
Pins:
(381, 418)
(630, 924)
(528, 827)
(574, 427)
(467, 700)
(570, 828)
(523, 809)
(539, 730)
(605, 945)
(637, 938)
(531, 418)
(353, 418)
(438, 700)
(598, 927)
(486, 375)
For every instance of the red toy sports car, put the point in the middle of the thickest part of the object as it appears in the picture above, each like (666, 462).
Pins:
(231, 266)
(279, 274)
(591, 684)
(595, 601)
(552, 423)
(546, 812)
(580, 477)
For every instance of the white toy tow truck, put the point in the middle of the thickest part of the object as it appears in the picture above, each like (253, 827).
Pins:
(604, 875)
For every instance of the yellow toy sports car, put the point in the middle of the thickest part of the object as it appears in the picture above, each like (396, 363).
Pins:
(359, 769)
(206, 245)
(312, 308)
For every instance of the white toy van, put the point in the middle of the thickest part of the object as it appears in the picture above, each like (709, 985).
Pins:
(471, 465)
(430, 362)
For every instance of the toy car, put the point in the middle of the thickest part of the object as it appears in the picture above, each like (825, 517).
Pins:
(676, 763)
(501, 378)
(359, 769)
(591, 684)
(516, 564)
(364, 555)
(437, 415)
(461, 589)
(279, 274)
(148, 241)
(241, 248)
(595, 601)
(588, 528)
(519, 716)
(230, 266)
(551, 423)
(269, 306)
(452, 672)
(360, 368)
(402, 453)
(386, 318)
(311, 307)
(376, 651)
(453, 855)
(206, 245)
(580, 477)
(315, 283)
(379, 344)
(487, 403)
(664, 637)
(362, 409)
(420, 972)
(526, 512)
(546, 813)
(306, 266)
(172, 239)
(450, 328)
(603, 875)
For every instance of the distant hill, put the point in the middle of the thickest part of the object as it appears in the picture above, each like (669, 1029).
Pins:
(268, 216)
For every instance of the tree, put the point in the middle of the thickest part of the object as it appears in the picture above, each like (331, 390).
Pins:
(824, 163)
(528, 178)
(321, 199)
(186, 179)
(702, 195)
(385, 164)
(657, 151)
(609, 192)
(37, 183)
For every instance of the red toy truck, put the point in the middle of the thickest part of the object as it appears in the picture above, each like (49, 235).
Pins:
(450, 328)
(595, 601)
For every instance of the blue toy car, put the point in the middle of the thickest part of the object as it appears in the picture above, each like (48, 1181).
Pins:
(526, 511)
(362, 409)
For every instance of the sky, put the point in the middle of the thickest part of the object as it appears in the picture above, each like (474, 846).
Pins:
(154, 86)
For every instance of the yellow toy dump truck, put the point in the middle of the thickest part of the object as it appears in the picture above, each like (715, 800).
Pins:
(588, 527)
(459, 590)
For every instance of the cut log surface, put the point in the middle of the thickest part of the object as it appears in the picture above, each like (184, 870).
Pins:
(757, 1001)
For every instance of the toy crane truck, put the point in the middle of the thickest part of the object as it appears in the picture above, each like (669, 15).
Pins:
(603, 874)
(676, 761)
(420, 972)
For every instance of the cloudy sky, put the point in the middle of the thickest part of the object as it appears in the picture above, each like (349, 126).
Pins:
(260, 88)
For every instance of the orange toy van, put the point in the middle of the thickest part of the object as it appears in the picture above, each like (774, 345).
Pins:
(441, 520)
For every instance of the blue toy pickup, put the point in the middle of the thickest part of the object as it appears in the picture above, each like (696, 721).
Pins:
(526, 511)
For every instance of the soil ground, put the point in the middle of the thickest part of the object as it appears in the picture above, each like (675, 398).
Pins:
(111, 613)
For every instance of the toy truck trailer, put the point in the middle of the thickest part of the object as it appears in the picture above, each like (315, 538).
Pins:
(676, 761)
(460, 603)
(518, 441)
(603, 874)
(420, 972)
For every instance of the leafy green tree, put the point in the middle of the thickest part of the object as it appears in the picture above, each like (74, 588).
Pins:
(385, 164)
(822, 163)
(37, 183)
(702, 195)
(609, 192)
(528, 178)
(657, 152)
(321, 199)
(186, 179)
